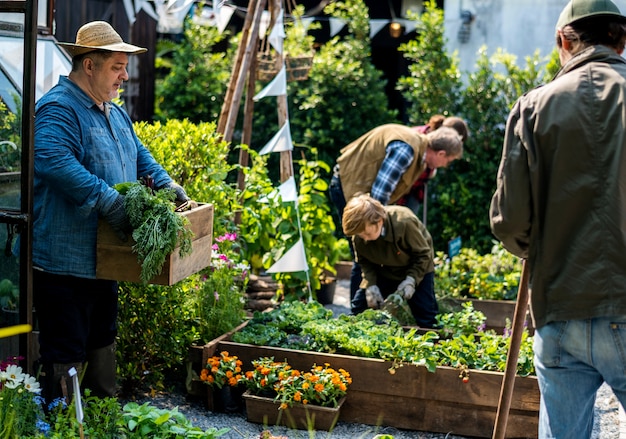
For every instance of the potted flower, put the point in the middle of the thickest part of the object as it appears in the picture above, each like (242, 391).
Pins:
(304, 400)
(223, 374)
(267, 375)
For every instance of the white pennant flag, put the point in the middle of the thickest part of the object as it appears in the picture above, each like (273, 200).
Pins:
(277, 87)
(376, 25)
(223, 17)
(293, 260)
(277, 35)
(280, 142)
(306, 22)
(79, 404)
(287, 191)
(336, 24)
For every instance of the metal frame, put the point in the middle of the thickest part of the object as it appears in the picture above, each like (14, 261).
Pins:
(23, 217)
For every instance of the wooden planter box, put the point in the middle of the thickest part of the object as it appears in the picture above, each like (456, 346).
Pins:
(115, 259)
(261, 410)
(411, 398)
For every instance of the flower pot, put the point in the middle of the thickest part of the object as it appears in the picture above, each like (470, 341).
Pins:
(225, 400)
(262, 410)
(326, 294)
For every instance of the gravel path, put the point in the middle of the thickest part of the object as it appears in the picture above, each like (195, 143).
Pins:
(606, 423)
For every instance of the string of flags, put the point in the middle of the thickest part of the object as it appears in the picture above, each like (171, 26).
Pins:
(170, 15)
(293, 259)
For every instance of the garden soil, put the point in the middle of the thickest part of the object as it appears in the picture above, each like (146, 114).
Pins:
(607, 420)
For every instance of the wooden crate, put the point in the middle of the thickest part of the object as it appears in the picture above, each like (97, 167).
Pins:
(115, 259)
(411, 398)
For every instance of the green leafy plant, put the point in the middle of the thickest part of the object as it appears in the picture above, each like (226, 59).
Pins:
(219, 296)
(157, 229)
(147, 421)
(468, 275)
(317, 227)
(9, 295)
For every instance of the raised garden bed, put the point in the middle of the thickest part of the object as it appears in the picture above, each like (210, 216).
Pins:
(410, 398)
(496, 311)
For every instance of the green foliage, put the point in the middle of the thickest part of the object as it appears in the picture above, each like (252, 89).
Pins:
(219, 296)
(316, 225)
(344, 95)
(196, 83)
(470, 275)
(196, 157)
(10, 144)
(260, 207)
(156, 329)
(9, 294)
(147, 421)
(434, 80)
(459, 196)
(375, 334)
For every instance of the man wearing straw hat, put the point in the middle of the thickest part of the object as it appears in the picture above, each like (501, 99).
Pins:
(84, 144)
(561, 203)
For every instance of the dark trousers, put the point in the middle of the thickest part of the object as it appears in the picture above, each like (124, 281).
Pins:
(423, 304)
(335, 192)
(75, 315)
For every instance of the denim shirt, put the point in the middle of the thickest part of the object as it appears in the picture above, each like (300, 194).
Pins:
(79, 156)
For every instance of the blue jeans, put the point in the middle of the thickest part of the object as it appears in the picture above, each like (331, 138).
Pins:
(572, 359)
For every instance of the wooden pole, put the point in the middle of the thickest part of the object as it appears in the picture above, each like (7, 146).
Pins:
(246, 136)
(508, 381)
(247, 49)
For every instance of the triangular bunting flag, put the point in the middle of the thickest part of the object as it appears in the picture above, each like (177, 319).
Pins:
(287, 192)
(376, 25)
(336, 24)
(223, 17)
(277, 87)
(277, 35)
(293, 260)
(280, 142)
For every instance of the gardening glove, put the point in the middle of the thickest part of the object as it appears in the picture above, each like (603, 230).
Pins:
(117, 219)
(407, 287)
(183, 202)
(373, 297)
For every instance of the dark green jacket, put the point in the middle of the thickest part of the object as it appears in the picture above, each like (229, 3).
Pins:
(405, 249)
(561, 189)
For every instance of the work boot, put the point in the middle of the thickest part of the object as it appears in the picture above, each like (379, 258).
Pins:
(100, 375)
(56, 381)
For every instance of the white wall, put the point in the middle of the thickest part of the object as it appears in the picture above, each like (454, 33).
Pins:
(518, 26)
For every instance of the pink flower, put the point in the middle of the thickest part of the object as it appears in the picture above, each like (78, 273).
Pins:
(216, 295)
(215, 247)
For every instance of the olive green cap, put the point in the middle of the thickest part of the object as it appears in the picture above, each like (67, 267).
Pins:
(579, 9)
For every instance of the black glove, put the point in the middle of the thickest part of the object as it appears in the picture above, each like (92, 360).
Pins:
(117, 218)
(181, 196)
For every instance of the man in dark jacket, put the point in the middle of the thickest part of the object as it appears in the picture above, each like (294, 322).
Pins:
(561, 203)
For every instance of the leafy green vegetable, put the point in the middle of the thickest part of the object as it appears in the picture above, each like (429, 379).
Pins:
(157, 228)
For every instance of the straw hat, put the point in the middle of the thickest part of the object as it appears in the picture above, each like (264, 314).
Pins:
(99, 35)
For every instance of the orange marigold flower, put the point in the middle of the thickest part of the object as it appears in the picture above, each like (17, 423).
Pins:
(229, 373)
(319, 387)
(297, 396)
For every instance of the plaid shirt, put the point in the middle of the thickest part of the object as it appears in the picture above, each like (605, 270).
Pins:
(398, 158)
